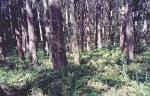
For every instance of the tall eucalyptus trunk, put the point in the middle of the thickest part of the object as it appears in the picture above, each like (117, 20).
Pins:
(31, 33)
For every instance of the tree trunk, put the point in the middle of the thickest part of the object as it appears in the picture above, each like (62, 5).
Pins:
(18, 34)
(122, 31)
(82, 25)
(74, 42)
(98, 37)
(31, 33)
(87, 27)
(111, 34)
(40, 26)
(145, 30)
(47, 28)
(24, 31)
(1, 37)
(1, 45)
(129, 32)
(122, 37)
(58, 50)
(17, 30)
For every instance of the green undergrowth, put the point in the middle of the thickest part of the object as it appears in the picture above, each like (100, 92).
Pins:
(21, 72)
(102, 72)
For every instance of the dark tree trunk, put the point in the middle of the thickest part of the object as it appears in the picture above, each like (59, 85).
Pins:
(129, 32)
(2, 55)
(36, 25)
(18, 34)
(98, 37)
(122, 32)
(11, 34)
(59, 58)
(1, 44)
(122, 37)
(24, 31)
(16, 16)
(82, 26)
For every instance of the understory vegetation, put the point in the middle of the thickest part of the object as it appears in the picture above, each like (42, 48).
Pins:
(102, 72)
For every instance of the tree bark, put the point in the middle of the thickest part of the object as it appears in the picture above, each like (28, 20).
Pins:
(16, 24)
(1, 37)
(47, 27)
(24, 31)
(82, 25)
(98, 36)
(111, 34)
(74, 42)
(87, 26)
(58, 50)
(129, 31)
(1, 45)
(144, 30)
(31, 33)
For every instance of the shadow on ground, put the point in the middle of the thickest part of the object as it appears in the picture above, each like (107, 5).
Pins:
(52, 83)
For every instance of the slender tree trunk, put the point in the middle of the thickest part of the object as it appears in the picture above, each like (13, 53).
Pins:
(1, 44)
(122, 38)
(1, 37)
(129, 32)
(98, 37)
(40, 26)
(74, 42)
(67, 17)
(111, 34)
(58, 50)
(82, 26)
(87, 27)
(88, 38)
(24, 27)
(122, 31)
(36, 25)
(145, 30)
(106, 23)
(24, 31)
(12, 32)
(31, 33)
(47, 28)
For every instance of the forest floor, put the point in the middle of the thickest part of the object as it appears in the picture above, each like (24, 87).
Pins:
(102, 72)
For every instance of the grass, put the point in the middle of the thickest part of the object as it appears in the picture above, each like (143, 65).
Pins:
(102, 72)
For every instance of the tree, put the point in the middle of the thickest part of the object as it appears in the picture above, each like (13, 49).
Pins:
(2, 55)
(47, 27)
(87, 25)
(16, 26)
(1, 45)
(98, 35)
(129, 47)
(74, 41)
(82, 31)
(24, 29)
(58, 50)
(31, 33)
